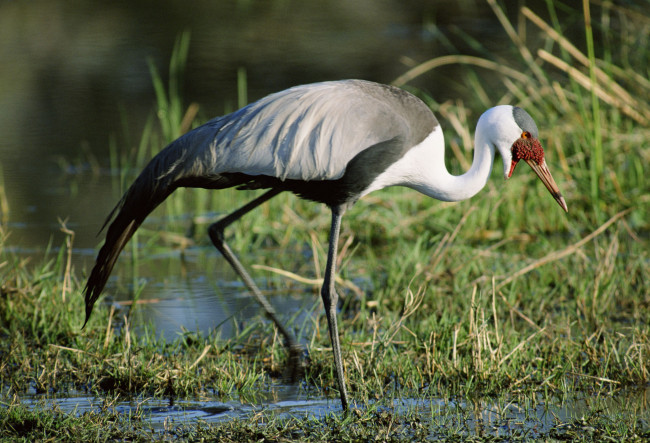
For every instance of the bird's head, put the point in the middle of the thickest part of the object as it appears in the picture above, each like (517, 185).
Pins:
(515, 135)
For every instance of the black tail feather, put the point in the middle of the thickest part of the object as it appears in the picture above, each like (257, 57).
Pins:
(153, 185)
(175, 166)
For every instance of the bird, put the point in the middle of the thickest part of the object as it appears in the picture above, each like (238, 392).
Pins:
(331, 142)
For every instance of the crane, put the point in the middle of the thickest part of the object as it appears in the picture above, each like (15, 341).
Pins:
(331, 142)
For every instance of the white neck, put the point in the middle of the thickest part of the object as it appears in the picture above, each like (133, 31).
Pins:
(423, 169)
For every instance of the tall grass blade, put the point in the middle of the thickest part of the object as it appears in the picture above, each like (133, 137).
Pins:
(169, 103)
(242, 87)
(596, 164)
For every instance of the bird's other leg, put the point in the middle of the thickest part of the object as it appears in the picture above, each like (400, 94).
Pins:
(330, 299)
(216, 232)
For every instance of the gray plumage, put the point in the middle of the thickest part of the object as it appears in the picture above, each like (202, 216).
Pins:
(525, 121)
(306, 133)
(324, 141)
(330, 142)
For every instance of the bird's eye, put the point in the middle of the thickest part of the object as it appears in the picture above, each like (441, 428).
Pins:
(525, 135)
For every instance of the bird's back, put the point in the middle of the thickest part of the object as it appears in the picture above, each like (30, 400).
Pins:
(306, 133)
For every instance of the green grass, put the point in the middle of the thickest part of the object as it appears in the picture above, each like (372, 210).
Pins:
(500, 300)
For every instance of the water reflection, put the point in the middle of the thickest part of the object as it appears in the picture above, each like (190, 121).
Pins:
(199, 292)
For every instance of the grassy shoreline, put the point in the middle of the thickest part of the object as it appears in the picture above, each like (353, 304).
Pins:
(501, 300)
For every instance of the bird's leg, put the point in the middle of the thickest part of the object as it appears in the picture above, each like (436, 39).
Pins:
(330, 299)
(216, 232)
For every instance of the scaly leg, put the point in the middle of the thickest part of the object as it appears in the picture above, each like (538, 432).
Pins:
(330, 299)
(216, 232)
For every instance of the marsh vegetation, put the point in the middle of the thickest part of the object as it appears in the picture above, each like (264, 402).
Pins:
(495, 318)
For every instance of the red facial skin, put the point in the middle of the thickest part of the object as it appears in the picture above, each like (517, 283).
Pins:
(526, 148)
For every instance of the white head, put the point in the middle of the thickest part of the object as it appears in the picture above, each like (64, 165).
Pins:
(514, 134)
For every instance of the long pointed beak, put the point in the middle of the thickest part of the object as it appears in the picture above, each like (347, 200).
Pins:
(545, 176)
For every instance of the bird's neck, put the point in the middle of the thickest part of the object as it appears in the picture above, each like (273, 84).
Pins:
(434, 180)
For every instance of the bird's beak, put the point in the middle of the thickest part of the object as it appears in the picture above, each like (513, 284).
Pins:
(545, 176)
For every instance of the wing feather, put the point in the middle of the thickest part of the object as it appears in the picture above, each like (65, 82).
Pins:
(308, 132)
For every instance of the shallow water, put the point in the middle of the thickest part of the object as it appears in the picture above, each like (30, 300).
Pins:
(281, 399)
(198, 303)
(498, 418)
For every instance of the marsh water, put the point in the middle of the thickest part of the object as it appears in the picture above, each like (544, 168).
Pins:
(74, 76)
(503, 418)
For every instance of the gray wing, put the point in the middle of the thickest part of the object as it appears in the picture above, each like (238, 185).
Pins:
(308, 132)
